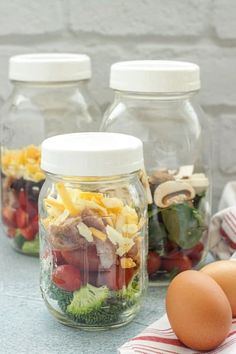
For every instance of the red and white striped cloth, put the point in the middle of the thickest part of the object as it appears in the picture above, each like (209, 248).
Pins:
(222, 228)
(222, 233)
(159, 338)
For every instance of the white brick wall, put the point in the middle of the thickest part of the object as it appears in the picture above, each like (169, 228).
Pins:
(202, 31)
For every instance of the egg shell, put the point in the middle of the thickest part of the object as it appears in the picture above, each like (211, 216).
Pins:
(198, 310)
(224, 273)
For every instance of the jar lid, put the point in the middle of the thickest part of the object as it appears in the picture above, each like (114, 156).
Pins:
(155, 76)
(92, 154)
(48, 67)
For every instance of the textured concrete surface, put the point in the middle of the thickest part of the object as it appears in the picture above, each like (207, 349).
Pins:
(27, 327)
(202, 31)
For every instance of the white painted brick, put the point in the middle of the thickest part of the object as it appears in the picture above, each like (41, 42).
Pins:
(217, 75)
(102, 56)
(140, 17)
(227, 144)
(217, 67)
(110, 31)
(224, 18)
(216, 89)
(30, 17)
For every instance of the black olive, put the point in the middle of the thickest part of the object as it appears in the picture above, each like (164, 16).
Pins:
(18, 184)
(32, 190)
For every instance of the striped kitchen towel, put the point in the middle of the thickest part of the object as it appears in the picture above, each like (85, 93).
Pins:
(222, 228)
(159, 338)
(222, 233)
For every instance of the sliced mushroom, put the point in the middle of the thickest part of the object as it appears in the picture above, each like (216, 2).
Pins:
(199, 182)
(184, 172)
(173, 192)
(159, 177)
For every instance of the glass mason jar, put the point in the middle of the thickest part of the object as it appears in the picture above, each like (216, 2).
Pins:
(49, 97)
(154, 102)
(93, 229)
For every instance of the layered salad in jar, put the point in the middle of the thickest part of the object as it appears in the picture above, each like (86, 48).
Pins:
(178, 221)
(92, 257)
(21, 181)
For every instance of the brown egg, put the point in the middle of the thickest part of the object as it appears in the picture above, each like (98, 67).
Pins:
(198, 310)
(224, 273)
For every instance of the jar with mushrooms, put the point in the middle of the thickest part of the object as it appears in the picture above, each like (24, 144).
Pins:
(178, 221)
(154, 102)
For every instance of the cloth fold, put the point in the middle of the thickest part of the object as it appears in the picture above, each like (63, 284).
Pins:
(222, 228)
(159, 338)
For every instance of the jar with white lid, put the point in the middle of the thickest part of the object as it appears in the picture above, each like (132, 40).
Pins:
(93, 232)
(49, 97)
(154, 101)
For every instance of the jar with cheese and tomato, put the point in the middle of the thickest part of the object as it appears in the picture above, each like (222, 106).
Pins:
(49, 97)
(93, 229)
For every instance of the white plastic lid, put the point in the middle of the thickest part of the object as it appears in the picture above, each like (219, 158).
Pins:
(49, 67)
(92, 154)
(155, 76)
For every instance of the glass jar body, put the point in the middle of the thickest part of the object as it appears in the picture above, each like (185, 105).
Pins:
(33, 112)
(176, 154)
(93, 245)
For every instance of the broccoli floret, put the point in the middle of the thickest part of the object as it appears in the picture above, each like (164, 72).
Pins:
(31, 247)
(108, 313)
(87, 299)
(130, 293)
(95, 306)
(108, 310)
(62, 297)
(19, 241)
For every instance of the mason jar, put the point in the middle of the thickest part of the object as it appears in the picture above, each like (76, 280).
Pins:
(49, 97)
(93, 229)
(154, 101)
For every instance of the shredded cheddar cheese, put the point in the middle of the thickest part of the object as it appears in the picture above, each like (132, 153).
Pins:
(127, 263)
(65, 197)
(53, 203)
(98, 234)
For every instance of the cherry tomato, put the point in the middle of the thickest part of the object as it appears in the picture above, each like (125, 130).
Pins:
(116, 277)
(171, 247)
(11, 232)
(67, 277)
(153, 262)
(32, 209)
(178, 262)
(28, 233)
(22, 218)
(31, 230)
(9, 216)
(84, 259)
(195, 253)
(22, 199)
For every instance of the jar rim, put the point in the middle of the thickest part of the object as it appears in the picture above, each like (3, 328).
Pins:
(162, 96)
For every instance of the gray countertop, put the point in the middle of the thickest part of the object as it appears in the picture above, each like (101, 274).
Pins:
(27, 327)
